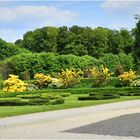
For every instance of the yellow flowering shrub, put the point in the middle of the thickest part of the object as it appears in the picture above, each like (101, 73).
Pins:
(105, 71)
(127, 77)
(42, 80)
(69, 77)
(13, 84)
(56, 83)
(99, 75)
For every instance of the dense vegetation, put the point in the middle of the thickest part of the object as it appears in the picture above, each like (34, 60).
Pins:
(50, 49)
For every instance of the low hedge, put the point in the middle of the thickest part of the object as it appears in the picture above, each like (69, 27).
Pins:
(38, 101)
(99, 97)
(29, 96)
(57, 101)
(12, 102)
(31, 99)
(66, 94)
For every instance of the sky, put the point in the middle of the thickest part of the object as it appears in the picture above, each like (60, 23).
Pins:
(18, 17)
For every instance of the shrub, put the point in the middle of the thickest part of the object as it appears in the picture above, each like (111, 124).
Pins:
(127, 77)
(69, 77)
(42, 80)
(29, 96)
(65, 94)
(127, 61)
(135, 83)
(38, 101)
(50, 96)
(99, 96)
(100, 76)
(13, 84)
(57, 101)
(56, 83)
(110, 61)
(1, 81)
(12, 101)
(84, 83)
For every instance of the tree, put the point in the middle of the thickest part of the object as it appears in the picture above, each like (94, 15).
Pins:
(128, 41)
(137, 43)
(41, 40)
(115, 42)
(7, 49)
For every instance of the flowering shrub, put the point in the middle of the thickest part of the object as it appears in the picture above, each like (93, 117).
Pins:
(136, 83)
(56, 83)
(69, 77)
(99, 75)
(13, 84)
(42, 80)
(127, 78)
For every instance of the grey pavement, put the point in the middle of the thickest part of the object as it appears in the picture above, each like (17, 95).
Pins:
(94, 122)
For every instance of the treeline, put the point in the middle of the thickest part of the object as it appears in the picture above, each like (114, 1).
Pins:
(78, 41)
(51, 49)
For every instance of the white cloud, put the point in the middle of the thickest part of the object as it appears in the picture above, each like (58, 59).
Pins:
(15, 21)
(35, 13)
(116, 4)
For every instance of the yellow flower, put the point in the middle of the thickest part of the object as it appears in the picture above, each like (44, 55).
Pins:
(13, 84)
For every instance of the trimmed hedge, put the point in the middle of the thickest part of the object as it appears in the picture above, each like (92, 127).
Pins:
(99, 97)
(29, 96)
(38, 101)
(74, 91)
(66, 94)
(57, 101)
(31, 99)
(12, 102)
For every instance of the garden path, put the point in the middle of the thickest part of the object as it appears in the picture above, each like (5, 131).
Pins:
(60, 124)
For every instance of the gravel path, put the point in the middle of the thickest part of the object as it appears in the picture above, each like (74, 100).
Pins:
(109, 121)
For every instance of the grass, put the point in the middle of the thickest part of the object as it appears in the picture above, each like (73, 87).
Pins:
(70, 102)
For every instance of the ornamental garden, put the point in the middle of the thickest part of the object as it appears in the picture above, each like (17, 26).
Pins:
(55, 68)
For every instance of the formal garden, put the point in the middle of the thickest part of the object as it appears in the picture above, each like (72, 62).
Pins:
(67, 89)
(55, 68)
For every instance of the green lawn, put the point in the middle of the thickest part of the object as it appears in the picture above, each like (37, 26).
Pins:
(70, 102)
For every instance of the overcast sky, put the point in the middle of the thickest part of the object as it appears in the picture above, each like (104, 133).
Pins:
(18, 17)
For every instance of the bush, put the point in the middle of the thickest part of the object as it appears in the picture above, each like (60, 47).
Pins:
(38, 101)
(99, 97)
(127, 78)
(111, 61)
(69, 77)
(13, 84)
(57, 101)
(127, 61)
(42, 80)
(29, 96)
(65, 94)
(84, 83)
(50, 96)
(12, 102)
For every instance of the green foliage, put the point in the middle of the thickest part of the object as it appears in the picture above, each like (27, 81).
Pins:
(41, 40)
(104, 96)
(9, 49)
(78, 41)
(65, 94)
(11, 102)
(29, 96)
(110, 61)
(26, 62)
(33, 99)
(127, 61)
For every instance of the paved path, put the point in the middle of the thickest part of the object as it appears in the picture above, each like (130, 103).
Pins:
(79, 123)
